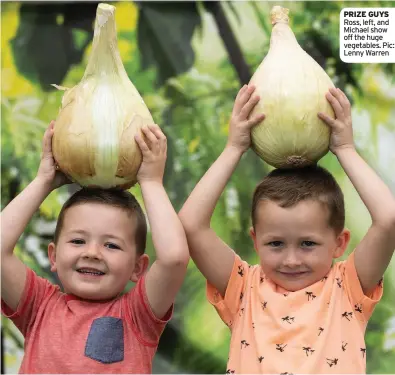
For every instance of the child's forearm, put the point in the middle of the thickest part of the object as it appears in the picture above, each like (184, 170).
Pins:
(198, 209)
(168, 234)
(376, 196)
(18, 213)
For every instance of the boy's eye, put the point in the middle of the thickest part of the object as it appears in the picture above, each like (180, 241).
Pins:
(275, 243)
(111, 245)
(77, 242)
(308, 243)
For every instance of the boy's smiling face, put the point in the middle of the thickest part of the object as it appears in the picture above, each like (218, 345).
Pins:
(296, 245)
(95, 255)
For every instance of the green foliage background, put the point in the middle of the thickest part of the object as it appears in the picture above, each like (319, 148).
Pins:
(190, 87)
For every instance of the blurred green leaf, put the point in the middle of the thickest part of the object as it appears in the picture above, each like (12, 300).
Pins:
(165, 30)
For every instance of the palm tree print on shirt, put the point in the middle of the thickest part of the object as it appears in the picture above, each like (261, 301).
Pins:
(358, 307)
(280, 347)
(310, 296)
(347, 315)
(332, 362)
(244, 344)
(288, 319)
(308, 350)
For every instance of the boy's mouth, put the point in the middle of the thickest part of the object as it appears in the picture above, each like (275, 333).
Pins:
(291, 274)
(90, 271)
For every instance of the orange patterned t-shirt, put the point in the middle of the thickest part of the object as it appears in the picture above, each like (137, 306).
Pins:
(316, 330)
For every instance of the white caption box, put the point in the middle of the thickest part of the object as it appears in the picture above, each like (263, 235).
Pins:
(367, 35)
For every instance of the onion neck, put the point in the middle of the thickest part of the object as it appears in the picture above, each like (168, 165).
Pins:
(279, 14)
(281, 31)
(105, 58)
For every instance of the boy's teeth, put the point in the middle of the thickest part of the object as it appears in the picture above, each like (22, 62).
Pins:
(91, 272)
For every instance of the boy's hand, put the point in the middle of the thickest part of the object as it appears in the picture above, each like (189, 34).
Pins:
(154, 150)
(341, 126)
(240, 123)
(47, 171)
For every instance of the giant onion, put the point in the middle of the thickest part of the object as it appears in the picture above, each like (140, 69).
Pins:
(93, 142)
(292, 87)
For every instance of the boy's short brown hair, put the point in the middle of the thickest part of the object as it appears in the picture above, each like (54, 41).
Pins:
(288, 187)
(122, 199)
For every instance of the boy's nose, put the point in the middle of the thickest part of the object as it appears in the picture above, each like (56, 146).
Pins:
(292, 259)
(93, 251)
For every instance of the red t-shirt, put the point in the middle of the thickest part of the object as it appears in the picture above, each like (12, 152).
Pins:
(64, 334)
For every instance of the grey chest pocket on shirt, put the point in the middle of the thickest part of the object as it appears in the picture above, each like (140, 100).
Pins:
(105, 340)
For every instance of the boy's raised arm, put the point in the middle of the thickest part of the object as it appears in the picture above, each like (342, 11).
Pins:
(373, 254)
(16, 216)
(211, 255)
(167, 273)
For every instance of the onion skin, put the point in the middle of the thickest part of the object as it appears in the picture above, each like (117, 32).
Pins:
(93, 142)
(292, 88)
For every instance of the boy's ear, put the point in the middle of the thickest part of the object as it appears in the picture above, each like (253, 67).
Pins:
(342, 241)
(253, 237)
(140, 267)
(52, 256)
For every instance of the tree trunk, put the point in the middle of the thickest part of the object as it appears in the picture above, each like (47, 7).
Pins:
(230, 41)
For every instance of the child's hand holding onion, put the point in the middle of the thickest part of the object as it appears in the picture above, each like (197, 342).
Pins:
(241, 122)
(154, 150)
(341, 125)
(48, 172)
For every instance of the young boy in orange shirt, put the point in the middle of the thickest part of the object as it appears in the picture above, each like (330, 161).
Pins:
(99, 245)
(297, 311)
